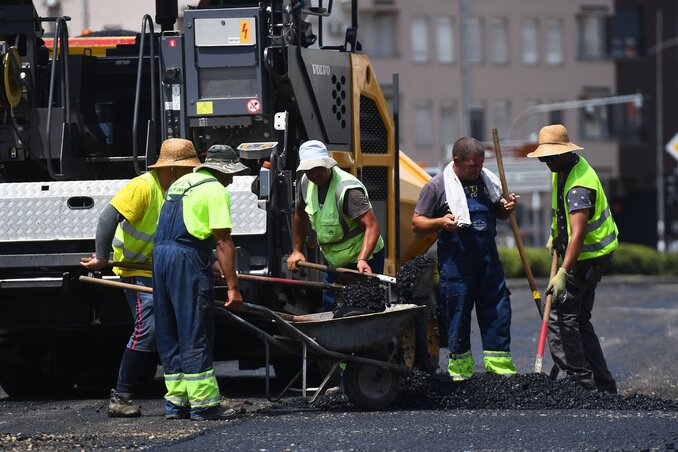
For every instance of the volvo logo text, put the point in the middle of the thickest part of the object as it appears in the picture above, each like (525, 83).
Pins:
(320, 69)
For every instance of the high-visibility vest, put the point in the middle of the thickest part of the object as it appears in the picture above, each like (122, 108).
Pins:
(601, 235)
(340, 238)
(133, 242)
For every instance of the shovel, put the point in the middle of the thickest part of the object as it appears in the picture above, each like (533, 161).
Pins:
(545, 319)
(248, 277)
(329, 268)
(220, 304)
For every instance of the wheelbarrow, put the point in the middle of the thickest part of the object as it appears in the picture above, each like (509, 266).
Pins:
(364, 343)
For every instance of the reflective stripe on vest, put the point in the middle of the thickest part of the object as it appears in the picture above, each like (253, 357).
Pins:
(340, 245)
(133, 242)
(601, 231)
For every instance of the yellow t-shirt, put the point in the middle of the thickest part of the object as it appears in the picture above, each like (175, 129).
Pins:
(132, 199)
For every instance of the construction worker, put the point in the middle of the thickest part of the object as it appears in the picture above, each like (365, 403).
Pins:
(583, 231)
(128, 223)
(462, 205)
(336, 205)
(194, 220)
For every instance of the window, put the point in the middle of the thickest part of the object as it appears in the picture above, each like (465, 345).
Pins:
(419, 39)
(501, 117)
(445, 39)
(627, 121)
(627, 32)
(449, 132)
(591, 42)
(474, 28)
(499, 39)
(593, 119)
(533, 122)
(379, 39)
(530, 49)
(477, 112)
(423, 134)
(554, 41)
(556, 117)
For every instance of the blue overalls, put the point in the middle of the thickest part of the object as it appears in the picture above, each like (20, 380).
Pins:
(471, 273)
(183, 292)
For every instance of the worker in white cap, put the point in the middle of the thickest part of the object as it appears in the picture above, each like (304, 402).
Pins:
(337, 206)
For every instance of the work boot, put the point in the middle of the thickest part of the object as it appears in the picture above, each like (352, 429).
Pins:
(120, 405)
(237, 407)
(216, 413)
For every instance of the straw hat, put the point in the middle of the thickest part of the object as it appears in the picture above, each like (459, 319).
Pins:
(313, 154)
(176, 152)
(222, 158)
(554, 140)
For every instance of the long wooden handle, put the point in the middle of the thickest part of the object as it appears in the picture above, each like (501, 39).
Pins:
(545, 320)
(289, 282)
(122, 285)
(332, 269)
(514, 225)
(247, 277)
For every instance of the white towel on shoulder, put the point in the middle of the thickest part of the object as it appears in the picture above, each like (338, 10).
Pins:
(456, 198)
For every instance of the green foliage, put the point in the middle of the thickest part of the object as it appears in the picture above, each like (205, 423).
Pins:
(670, 264)
(538, 258)
(633, 259)
(629, 259)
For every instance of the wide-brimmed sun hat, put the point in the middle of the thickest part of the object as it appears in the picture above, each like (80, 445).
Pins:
(313, 154)
(554, 140)
(176, 152)
(222, 158)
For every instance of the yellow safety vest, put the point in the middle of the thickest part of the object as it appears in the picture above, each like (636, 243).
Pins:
(340, 237)
(133, 242)
(601, 231)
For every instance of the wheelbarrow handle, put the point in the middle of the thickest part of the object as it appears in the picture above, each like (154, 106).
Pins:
(332, 269)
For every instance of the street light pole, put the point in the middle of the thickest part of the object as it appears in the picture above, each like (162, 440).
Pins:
(464, 64)
(659, 110)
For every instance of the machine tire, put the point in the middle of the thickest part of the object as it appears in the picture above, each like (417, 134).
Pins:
(370, 387)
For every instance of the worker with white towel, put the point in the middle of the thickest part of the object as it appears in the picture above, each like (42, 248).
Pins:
(462, 205)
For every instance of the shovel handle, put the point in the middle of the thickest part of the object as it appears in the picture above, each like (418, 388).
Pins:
(545, 318)
(332, 269)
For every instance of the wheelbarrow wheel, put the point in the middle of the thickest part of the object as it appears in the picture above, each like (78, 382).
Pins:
(370, 387)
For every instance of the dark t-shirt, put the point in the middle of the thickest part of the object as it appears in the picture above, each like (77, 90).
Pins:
(432, 202)
(355, 205)
(577, 198)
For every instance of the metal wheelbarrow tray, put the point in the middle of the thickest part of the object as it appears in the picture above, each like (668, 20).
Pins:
(371, 378)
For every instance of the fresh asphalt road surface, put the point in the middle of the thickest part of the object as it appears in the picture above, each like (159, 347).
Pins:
(636, 319)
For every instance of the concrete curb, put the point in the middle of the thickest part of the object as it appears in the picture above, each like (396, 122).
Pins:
(608, 279)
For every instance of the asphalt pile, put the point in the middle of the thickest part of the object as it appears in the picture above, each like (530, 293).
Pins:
(415, 281)
(486, 391)
(364, 294)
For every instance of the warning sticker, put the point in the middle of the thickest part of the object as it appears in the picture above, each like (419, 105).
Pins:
(205, 108)
(253, 106)
(245, 37)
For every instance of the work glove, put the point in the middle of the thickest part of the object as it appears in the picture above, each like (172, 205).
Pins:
(557, 284)
(549, 245)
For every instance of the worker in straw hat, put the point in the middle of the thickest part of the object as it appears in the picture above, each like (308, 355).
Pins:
(194, 220)
(584, 233)
(337, 206)
(462, 205)
(128, 224)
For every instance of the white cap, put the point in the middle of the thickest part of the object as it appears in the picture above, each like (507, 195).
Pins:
(312, 154)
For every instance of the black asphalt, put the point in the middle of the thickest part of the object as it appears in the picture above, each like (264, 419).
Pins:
(636, 319)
